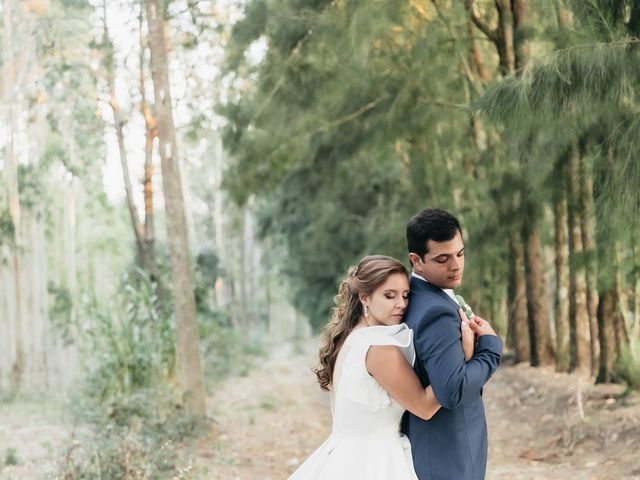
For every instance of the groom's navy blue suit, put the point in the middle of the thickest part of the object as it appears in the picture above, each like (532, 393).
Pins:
(453, 444)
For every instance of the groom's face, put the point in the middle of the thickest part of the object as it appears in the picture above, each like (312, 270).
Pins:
(443, 264)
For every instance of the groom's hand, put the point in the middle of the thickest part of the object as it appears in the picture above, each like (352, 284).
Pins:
(480, 326)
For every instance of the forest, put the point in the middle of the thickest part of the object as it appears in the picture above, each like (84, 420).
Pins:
(186, 182)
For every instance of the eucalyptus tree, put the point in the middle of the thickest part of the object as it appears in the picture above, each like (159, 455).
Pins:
(58, 139)
(190, 369)
(12, 98)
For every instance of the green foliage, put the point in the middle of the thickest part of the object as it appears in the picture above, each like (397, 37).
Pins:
(60, 310)
(32, 180)
(138, 428)
(144, 442)
(207, 270)
(585, 92)
(223, 351)
(128, 398)
(128, 345)
(7, 228)
(627, 365)
(11, 457)
(64, 42)
(352, 122)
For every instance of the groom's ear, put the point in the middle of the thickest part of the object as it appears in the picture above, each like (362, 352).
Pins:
(414, 258)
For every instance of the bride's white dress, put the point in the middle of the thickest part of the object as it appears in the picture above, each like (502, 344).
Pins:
(365, 442)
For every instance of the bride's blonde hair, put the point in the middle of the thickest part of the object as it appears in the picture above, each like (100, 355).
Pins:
(362, 279)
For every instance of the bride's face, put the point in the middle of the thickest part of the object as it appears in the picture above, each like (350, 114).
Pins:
(388, 302)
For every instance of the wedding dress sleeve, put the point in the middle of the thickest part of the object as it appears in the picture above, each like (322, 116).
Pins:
(358, 385)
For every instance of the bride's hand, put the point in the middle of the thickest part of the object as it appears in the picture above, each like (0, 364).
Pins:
(468, 336)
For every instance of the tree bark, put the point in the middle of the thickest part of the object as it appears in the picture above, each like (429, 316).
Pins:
(613, 335)
(475, 56)
(119, 128)
(11, 176)
(149, 261)
(190, 369)
(561, 304)
(606, 335)
(505, 37)
(522, 50)
(587, 228)
(143, 234)
(578, 315)
(635, 254)
(620, 323)
(517, 293)
(542, 352)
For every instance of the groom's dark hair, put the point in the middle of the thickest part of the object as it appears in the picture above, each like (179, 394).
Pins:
(430, 224)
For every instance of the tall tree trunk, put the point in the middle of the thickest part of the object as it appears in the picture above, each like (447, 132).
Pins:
(620, 324)
(564, 16)
(11, 176)
(517, 294)
(542, 352)
(218, 220)
(188, 349)
(635, 254)
(143, 234)
(587, 229)
(606, 335)
(505, 37)
(578, 315)
(612, 331)
(522, 51)
(150, 260)
(119, 128)
(561, 304)
(501, 36)
(475, 56)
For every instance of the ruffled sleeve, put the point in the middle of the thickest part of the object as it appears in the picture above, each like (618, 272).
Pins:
(358, 385)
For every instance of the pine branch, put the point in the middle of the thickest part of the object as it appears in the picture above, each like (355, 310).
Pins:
(335, 123)
(492, 34)
(281, 80)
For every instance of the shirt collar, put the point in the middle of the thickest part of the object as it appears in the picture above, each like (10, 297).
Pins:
(448, 291)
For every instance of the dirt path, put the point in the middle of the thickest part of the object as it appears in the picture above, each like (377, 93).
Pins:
(265, 423)
(543, 426)
(32, 436)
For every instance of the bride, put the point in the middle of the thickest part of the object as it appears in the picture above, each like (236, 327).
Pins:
(366, 362)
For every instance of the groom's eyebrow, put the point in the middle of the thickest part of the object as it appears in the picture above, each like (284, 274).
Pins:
(447, 255)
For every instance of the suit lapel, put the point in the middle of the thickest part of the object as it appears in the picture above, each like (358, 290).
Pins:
(420, 285)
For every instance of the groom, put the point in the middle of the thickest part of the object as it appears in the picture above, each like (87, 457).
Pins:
(453, 444)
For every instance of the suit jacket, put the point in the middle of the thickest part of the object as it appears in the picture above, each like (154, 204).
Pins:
(452, 445)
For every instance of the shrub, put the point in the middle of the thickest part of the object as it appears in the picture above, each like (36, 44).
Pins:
(143, 442)
(11, 457)
(128, 344)
(627, 366)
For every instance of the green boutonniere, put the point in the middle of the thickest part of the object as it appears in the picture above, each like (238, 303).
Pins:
(465, 306)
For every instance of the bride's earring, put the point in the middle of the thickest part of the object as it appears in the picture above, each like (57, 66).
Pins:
(366, 312)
